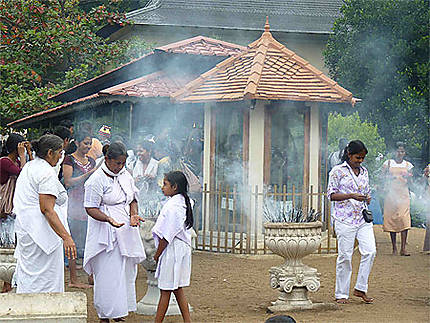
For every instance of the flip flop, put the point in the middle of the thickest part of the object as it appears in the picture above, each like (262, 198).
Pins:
(363, 296)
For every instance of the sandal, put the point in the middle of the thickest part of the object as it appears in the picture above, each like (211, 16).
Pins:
(364, 297)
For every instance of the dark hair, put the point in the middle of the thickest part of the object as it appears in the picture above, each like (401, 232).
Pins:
(354, 147)
(46, 142)
(400, 144)
(86, 126)
(280, 319)
(66, 123)
(62, 132)
(145, 144)
(81, 135)
(11, 144)
(114, 150)
(178, 178)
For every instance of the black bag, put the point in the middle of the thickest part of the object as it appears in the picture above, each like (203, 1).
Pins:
(367, 215)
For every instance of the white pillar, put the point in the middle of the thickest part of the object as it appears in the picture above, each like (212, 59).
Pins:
(207, 144)
(314, 149)
(256, 163)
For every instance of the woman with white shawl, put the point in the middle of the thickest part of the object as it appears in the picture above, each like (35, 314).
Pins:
(113, 247)
(40, 205)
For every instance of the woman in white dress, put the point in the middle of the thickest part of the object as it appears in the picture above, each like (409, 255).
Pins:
(113, 247)
(40, 204)
(172, 235)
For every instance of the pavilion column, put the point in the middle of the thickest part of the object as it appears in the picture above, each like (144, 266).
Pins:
(256, 166)
(209, 130)
(314, 150)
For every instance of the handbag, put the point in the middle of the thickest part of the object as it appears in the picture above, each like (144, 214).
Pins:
(367, 214)
(7, 191)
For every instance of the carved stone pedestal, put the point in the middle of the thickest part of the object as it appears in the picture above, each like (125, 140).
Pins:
(7, 264)
(293, 279)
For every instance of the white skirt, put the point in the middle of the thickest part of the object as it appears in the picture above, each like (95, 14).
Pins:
(174, 266)
(114, 284)
(36, 271)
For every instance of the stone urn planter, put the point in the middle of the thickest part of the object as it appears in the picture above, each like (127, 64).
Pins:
(7, 264)
(293, 279)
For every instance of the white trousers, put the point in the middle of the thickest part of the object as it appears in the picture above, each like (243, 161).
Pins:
(346, 234)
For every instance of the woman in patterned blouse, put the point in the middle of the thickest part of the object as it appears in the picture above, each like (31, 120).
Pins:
(349, 188)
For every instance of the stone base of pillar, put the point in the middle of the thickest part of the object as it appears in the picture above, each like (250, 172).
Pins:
(70, 307)
(313, 306)
(7, 264)
(148, 304)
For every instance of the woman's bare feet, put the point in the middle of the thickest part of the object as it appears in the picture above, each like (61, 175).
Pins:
(342, 301)
(363, 296)
(7, 287)
(79, 285)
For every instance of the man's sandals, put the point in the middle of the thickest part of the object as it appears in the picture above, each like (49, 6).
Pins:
(364, 297)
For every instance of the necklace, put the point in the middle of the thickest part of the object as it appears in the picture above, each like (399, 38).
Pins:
(83, 161)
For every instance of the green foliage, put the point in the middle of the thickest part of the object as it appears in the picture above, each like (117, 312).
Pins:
(51, 45)
(353, 128)
(380, 52)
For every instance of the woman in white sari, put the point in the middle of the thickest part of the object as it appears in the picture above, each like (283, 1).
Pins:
(113, 247)
(40, 205)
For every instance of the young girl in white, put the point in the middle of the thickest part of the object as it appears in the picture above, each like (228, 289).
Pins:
(172, 235)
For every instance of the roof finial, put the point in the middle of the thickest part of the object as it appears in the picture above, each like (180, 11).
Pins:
(267, 26)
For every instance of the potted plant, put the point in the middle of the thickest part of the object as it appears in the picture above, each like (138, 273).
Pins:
(292, 234)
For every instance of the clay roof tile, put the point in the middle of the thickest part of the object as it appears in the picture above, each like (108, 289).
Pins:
(265, 70)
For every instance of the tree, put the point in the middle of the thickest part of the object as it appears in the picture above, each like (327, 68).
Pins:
(50, 45)
(352, 128)
(380, 52)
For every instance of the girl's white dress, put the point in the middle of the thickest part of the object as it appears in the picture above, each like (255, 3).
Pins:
(112, 254)
(39, 251)
(174, 266)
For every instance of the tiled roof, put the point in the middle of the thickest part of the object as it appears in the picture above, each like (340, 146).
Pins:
(198, 45)
(267, 70)
(158, 84)
(301, 16)
(206, 46)
(47, 111)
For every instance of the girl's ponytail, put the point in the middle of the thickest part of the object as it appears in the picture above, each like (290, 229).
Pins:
(189, 221)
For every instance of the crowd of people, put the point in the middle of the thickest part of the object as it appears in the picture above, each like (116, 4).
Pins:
(70, 200)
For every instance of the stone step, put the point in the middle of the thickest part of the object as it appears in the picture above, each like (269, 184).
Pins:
(69, 307)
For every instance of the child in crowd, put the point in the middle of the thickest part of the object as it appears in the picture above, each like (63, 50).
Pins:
(172, 235)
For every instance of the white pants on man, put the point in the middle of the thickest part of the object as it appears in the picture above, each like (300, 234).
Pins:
(346, 234)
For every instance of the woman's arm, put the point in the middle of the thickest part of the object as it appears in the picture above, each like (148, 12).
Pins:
(343, 197)
(70, 181)
(134, 214)
(98, 215)
(47, 203)
(161, 246)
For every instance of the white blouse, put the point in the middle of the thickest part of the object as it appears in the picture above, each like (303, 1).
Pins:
(39, 177)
